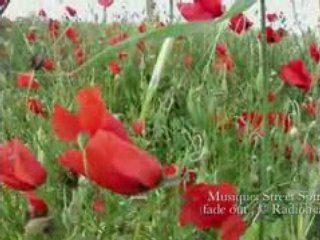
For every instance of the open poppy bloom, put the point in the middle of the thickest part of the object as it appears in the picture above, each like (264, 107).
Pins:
(212, 206)
(114, 68)
(201, 10)
(72, 34)
(26, 80)
(36, 106)
(296, 74)
(240, 23)
(91, 117)
(272, 17)
(48, 64)
(19, 169)
(273, 36)
(111, 160)
(37, 206)
(114, 164)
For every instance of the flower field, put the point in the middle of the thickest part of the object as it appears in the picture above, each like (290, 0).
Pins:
(201, 130)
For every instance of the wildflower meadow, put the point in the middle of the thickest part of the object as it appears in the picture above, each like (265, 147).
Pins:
(159, 130)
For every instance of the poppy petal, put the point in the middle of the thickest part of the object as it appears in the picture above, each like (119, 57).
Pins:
(120, 166)
(92, 109)
(65, 124)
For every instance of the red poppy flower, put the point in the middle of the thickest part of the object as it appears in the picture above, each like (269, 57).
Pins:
(42, 13)
(272, 17)
(188, 60)
(201, 10)
(123, 54)
(211, 206)
(53, 28)
(310, 152)
(36, 106)
(214, 7)
(115, 164)
(138, 127)
(296, 74)
(223, 58)
(271, 96)
(79, 55)
(71, 11)
(26, 80)
(48, 64)
(91, 116)
(273, 36)
(314, 52)
(19, 169)
(240, 23)
(114, 68)
(233, 228)
(72, 34)
(194, 12)
(142, 28)
(99, 205)
(37, 206)
(310, 108)
(170, 171)
(31, 36)
(105, 3)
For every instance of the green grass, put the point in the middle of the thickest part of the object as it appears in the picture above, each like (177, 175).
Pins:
(179, 129)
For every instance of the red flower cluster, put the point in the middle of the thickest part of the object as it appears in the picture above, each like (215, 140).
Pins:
(251, 122)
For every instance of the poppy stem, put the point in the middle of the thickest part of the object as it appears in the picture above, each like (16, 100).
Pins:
(264, 90)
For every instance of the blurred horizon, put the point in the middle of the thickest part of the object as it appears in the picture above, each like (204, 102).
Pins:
(134, 11)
